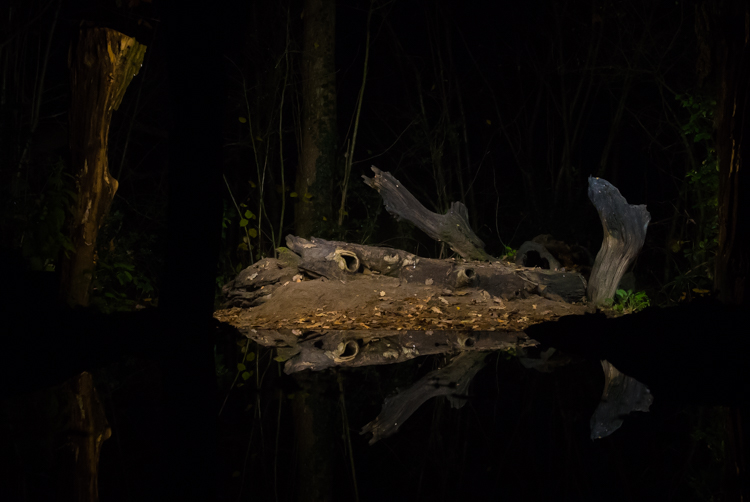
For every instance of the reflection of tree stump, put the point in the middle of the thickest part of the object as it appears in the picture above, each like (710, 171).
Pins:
(624, 233)
(622, 395)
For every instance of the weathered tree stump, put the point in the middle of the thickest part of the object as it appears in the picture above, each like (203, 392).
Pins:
(624, 233)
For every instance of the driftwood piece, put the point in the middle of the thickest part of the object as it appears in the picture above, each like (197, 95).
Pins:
(622, 395)
(452, 381)
(567, 287)
(409, 304)
(256, 284)
(533, 254)
(452, 227)
(624, 233)
(340, 261)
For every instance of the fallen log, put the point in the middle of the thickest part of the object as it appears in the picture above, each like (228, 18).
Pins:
(327, 303)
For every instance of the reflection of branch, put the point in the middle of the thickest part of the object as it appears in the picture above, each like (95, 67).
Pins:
(452, 381)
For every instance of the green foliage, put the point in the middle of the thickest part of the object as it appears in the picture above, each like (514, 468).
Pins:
(509, 253)
(37, 216)
(701, 115)
(694, 244)
(234, 256)
(709, 437)
(628, 301)
(126, 267)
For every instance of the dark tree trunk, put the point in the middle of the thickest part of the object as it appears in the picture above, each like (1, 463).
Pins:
(316, 172)
(732, 61)
(312, 216)
(723, 29)
(314, 436)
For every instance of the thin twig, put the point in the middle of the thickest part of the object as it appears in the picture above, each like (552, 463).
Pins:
(360, 98)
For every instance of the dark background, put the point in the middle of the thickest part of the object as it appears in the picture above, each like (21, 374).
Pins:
(519, 101)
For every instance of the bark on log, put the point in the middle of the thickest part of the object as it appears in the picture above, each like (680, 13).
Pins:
(624, 233)
(340, 260)
(452, 227)
(533, 254)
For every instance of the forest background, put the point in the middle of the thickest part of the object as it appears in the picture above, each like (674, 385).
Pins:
(508, 107)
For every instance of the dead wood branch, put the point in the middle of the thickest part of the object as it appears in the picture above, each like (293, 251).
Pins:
(452, 227)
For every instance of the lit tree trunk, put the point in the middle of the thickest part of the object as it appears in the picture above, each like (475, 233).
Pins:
(102, 63)
(315, 175)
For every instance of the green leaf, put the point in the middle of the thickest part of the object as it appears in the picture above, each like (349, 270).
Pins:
(252, 233)
(243, 222)
(246, 375)
(242, 120)
(249, 215)
(250, 356)
(241, 367)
